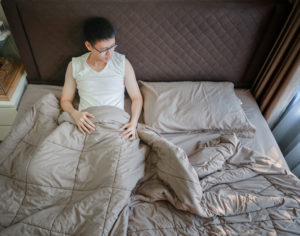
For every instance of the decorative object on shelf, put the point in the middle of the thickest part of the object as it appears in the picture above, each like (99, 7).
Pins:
(4, 33)
(10, 73)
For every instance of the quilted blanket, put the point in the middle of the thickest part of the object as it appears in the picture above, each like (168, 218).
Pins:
(56, 181)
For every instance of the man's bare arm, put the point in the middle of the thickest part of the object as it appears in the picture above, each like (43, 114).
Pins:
(66, 102)
(136, 102)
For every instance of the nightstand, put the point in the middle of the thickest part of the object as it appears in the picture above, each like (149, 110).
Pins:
(9, 108)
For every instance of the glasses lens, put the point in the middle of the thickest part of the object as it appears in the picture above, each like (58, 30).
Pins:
(106, 50)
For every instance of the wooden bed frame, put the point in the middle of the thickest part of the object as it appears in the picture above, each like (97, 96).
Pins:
(164, 40)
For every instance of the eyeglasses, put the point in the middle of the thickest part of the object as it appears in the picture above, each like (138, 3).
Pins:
(104, 51)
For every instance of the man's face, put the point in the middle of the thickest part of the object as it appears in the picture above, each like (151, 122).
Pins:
(102, 49)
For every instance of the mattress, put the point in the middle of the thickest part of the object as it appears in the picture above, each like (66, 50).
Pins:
(263, 141)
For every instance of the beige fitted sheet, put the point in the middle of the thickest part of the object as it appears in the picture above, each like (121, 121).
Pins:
(263, 141)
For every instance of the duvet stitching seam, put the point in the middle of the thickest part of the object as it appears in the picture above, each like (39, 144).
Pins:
(286, 195)
(197, 183)
(227, 223)
(81, 150)
(274, 185)
(275, 228)
(37, 226)
(75, 178)
(295, 199)
(259, 193)
(22, 139)
(290, 196)
(63, 188)
(25, 189)
(264, 189)
(221, 176)
(73, 149)
(119, 157)
(251, 200)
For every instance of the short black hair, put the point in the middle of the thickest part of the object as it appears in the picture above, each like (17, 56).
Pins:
(98, 28)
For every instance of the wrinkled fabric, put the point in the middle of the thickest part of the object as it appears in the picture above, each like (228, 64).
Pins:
(243, 193)
(56, 181)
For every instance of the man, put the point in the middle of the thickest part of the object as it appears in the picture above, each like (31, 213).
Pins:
(100, 77)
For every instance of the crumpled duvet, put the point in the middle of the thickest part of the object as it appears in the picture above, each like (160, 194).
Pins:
(56, 181)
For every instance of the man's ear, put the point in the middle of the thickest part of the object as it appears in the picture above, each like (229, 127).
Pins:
(88, 45)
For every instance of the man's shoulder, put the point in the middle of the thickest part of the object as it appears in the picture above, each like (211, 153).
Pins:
(118, 55)
(78, 61)
(118, 58)
(78, 64)
(81, 56)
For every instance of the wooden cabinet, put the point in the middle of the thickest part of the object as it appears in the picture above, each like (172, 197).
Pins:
(9, 102)
(12, 81)
(10, 75)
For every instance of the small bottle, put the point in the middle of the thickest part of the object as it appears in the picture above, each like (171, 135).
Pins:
(4, 33)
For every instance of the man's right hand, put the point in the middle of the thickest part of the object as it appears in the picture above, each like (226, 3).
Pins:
(82, 121)
(67, 96)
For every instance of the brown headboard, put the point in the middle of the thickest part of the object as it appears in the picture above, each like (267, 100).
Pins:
(164, 40)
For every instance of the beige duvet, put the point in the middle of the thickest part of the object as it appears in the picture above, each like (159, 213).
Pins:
(56, 181)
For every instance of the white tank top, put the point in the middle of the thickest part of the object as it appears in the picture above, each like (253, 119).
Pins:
(100, 88)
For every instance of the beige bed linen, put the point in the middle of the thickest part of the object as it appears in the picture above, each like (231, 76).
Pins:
(57, 181)
(263, 141)
(177, 107)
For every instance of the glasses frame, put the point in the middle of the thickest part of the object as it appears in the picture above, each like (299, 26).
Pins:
(104, 51)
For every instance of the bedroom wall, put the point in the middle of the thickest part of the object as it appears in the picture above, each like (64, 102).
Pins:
(8, 47)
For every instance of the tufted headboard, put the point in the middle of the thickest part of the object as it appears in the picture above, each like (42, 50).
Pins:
(171, 40)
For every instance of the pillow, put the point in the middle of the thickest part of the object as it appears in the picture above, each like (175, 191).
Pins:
(172, 107)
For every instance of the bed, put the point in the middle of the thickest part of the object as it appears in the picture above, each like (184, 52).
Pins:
(205, 163)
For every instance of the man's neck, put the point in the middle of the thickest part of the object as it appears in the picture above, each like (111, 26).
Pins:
(94, 62)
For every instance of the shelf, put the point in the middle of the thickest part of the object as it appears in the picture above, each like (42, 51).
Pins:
(9, 78)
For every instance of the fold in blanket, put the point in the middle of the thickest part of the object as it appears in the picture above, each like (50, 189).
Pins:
(56, 181)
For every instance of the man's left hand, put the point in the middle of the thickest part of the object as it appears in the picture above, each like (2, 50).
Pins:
(129, 131)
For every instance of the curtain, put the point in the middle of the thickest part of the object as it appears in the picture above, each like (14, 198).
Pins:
(287, 134)
(278, 80)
